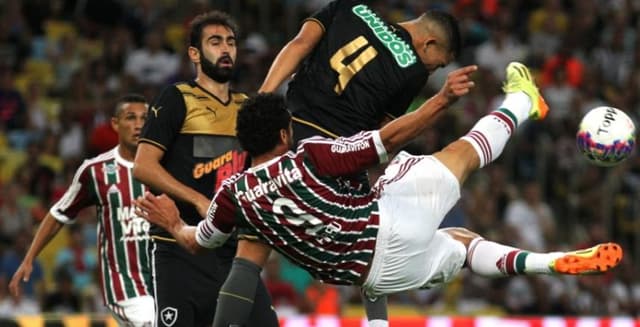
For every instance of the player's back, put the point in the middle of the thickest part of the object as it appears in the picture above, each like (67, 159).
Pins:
(322, 223)
(362, 69)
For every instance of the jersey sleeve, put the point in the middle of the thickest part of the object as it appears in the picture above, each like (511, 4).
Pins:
(324, 16)
(165, 118)
(78, 196)
(219, 224)
(345, 156)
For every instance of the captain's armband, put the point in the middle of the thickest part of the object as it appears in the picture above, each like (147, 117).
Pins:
(208, 236)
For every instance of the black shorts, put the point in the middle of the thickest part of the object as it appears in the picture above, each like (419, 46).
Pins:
(187, 286)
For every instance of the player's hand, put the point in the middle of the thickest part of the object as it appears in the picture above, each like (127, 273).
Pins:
(159, 210)
(23, 274)
(458, 83)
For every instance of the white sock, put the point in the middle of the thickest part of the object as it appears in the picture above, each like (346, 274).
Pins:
(378, 323)
(519, 104)
(491, 259)
(490, 134)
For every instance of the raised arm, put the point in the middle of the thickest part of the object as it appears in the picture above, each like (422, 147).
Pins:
(401, 130)
(290, 57)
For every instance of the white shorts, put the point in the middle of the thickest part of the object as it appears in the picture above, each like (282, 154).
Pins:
(135, 312)
(417, 192)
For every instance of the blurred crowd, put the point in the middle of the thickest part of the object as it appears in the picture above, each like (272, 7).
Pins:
(64, 62)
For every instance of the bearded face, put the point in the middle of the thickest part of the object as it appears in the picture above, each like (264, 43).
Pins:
(221, 71)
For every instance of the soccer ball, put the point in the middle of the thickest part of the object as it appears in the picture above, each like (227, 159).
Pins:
(606, 136)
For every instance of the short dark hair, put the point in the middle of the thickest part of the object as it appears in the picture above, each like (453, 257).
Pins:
(449, 26)
(127, 98)
(214, 17)
(259, 122)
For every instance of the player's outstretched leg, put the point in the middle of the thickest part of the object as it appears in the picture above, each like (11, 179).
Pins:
(522, 101)
(486, 140)
(492, 259)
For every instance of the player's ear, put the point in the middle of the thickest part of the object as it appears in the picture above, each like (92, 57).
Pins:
(284, 136)
(430, 41)
(194, 54)
(114, 123)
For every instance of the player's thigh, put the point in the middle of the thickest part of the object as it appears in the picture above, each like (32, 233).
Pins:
(445, 256)
(134, 312)
(186, 288)
(171, 290)
(416, 192)
(436, 263)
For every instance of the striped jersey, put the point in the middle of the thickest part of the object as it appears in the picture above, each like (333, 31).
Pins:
(107, 182)
(304, 205)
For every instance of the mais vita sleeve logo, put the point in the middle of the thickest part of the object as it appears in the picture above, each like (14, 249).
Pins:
(402, 52)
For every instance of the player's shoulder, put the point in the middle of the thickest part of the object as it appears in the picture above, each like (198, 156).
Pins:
(108, 155)
(175, 87)
(313, 140)
(172, 94)
(105, 157)
(184, 86)
(238, 97)
(229, 181)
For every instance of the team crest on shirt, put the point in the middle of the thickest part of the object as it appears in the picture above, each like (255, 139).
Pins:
(110, 169)
(169, 316)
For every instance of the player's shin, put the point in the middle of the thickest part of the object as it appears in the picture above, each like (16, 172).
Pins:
(490, 134)
(491, 259)
(376, 309)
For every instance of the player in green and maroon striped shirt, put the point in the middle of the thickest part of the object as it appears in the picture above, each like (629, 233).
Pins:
(107, 182)
(386, 241)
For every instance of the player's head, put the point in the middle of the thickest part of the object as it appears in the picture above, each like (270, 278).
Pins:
(128, 117)
(212, 45)
(264, 125)
(436, 37)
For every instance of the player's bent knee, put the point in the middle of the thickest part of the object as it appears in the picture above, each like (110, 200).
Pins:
(461, 234)
(460, 157)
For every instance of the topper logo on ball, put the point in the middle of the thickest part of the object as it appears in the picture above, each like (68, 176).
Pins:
(609, 117)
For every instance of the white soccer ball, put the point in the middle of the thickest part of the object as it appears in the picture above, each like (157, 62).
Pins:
(606, 136)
